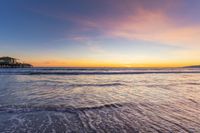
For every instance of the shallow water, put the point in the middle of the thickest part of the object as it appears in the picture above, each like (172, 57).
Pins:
(99, 100)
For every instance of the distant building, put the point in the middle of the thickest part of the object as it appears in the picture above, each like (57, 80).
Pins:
(8, 60)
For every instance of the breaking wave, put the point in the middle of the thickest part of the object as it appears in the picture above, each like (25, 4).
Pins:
(96, 73)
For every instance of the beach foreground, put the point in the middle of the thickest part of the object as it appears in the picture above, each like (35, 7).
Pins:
(99, 100)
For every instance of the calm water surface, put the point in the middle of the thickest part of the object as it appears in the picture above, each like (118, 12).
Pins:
(99, 100)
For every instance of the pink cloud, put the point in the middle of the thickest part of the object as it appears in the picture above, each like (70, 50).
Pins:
(146, 25)
(138, 24)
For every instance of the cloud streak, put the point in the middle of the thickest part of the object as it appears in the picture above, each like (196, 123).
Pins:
(156, 27)
(140, 23)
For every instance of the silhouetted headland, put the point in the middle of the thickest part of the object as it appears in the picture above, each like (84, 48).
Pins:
(9, 62)
(195, 66)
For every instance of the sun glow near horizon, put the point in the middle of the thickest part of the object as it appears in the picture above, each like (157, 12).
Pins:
(106, 33)
(93, 63)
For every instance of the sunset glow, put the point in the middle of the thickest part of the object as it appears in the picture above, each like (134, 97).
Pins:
(101, 33)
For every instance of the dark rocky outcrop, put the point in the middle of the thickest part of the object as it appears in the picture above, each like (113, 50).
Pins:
(196, 66)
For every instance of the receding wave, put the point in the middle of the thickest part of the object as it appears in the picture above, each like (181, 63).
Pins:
(56, 108)
(95, 85)
(116, 117)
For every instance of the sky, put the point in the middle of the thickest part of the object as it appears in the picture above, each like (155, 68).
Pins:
(101, 33)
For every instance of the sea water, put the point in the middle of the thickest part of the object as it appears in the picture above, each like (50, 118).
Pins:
(99, 100)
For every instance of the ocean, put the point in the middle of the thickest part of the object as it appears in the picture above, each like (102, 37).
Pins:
(89, 100)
